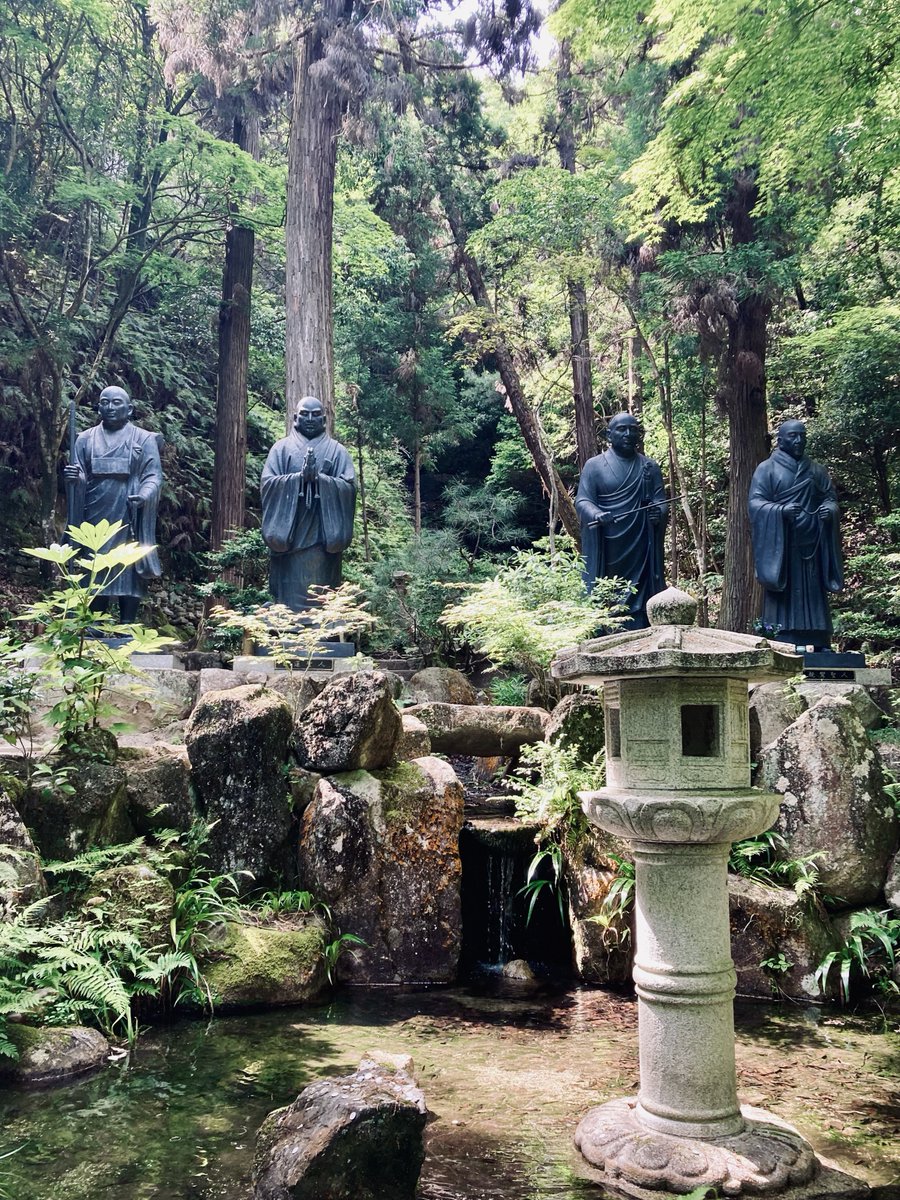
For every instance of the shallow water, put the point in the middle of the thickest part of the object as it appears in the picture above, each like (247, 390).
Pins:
(507, 1080)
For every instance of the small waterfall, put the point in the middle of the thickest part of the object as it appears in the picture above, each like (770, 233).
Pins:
(496, 853)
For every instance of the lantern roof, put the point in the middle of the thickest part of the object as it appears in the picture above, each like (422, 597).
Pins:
(675, 645)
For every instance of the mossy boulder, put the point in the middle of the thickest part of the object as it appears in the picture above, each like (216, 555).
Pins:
(776, 927)
(137, 898)
(602, 949)
(358, 1137)
(64, 823)
(53, 1054)
(237, 743)
(442, 684)
(381, 849)
(21, 878)
(352, 725)
(159, 790)
(577, 721)
(260, 966)
(833, 800)
(480, 729)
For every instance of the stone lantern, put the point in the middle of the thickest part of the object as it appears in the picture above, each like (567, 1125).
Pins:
(678, 789)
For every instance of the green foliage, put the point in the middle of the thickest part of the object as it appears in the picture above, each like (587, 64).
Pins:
(869, 952)
(547, 785)
(533, 607)
(617, 904)
(69, 650)
(511, 690)
(336, 948)
(549, 855)
(292, 637)
(765, 859)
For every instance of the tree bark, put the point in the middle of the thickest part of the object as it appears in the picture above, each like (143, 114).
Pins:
(309, 223)
(229, 472)
(582, 383)
(742, 391)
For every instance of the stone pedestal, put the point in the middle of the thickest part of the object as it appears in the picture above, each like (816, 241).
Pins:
(685, 1127)
(678, 766)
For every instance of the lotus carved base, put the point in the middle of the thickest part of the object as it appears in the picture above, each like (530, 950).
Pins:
(768, 1157)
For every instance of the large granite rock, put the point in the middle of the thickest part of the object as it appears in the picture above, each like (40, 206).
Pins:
(892, 884)
(138, 898)
(381, 849)
(578, 721)
(159, 789)
(21, 878)
(358, 1137)
(602, 944)
(154, 699)
(833, 800)
(773, 707)
(237, 742)
(352, 725)
(248, 966)
(414, 741)
(441, 684)
(53, 1054)
(92, 810)
(775, 926)
(482, 729)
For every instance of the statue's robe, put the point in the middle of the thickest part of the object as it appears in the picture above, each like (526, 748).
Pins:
(114, 464)
(630, 547)
(306, 527)
(797, 562)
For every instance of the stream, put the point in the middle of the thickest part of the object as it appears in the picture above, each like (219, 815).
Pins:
(506, 1078)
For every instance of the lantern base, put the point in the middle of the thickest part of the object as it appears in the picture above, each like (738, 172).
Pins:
(767, 1158)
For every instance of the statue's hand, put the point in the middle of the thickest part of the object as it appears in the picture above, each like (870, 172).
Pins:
(72, 471)
(793, 511)
(824, 513)
(136, 502)
(655, 514)
(603, 517)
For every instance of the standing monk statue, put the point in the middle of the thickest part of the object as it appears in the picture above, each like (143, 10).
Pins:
(308, 500)
(796, 546)
(117, 475)
(622, 507)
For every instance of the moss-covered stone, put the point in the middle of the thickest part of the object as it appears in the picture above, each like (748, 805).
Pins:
(53, 1054)
(138, 899)
(95, 813)
(249, 965)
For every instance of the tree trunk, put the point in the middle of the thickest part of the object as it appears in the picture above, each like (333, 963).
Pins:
(742, 390)
(582, 383)
(309, 222)
(229, 473)
(417, 489)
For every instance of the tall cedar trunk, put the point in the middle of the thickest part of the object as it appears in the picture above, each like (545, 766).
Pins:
(417, 490)
(229, 472)
(582, 383)
(312, 152)
(742, 389)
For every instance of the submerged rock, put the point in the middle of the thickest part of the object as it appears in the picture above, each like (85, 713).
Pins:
(382, 850)
(252, 966)
(481, 729)
(358, 1137)
(777, 940)
(53, 1054)
(352, 725)
(442, 684)
(237, 742)
(833, 800)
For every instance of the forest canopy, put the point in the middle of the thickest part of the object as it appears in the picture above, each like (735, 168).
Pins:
(476, 247)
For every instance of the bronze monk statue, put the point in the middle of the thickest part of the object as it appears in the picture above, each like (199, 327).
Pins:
(308, 500)
(622, 508)
(117, 476)
(796, 543)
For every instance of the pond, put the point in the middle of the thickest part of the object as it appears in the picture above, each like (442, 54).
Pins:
(507, 1079)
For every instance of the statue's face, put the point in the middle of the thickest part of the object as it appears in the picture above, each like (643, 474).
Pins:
(792, 438)
(114, 408)
(624, 436)
(309, 419)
